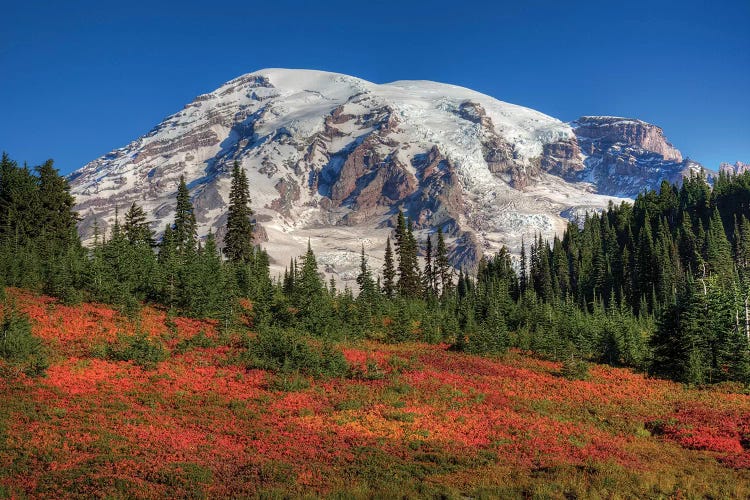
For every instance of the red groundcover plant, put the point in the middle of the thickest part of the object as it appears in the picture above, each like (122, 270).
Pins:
(409, 419)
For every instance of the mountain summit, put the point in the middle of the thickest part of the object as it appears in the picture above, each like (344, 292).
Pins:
(333, 158)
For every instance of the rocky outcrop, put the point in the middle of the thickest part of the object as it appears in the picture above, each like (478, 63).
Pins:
(499, 154)
(289, 193)
(736, 168)
(602, 132)
(562, 158)
(624, 156)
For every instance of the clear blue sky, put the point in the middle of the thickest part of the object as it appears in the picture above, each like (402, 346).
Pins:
(80, 78)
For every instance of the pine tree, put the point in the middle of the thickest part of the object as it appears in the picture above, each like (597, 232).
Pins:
(406, 251)
(718, 249)
(309, 284)
(365, 280)
(442, 264)
(389, 271)
(428, 278)
(169, 266)
(523, 278)
(185, 227)
(689, 248)
(238, 242)
(19, 198)
(200, 288)
(56, 218)
(742, 243)
(137, 228)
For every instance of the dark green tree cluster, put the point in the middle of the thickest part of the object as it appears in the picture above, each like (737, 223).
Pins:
(38, 239)
(677, 259)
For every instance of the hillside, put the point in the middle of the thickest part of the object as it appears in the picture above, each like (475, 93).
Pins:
(410, 419)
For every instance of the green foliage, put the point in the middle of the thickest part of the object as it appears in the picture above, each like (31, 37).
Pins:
(185, 226)
(284, 351)
(409, 284)
(139, 348)
(19, 348)
(389, 271)
(574, 368)
(238, 242)
(199, 340)
(137, 228)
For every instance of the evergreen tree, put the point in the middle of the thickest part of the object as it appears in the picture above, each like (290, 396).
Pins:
(185, 227)
(169, 267)
(442, 264)
(389, 271)
(718, 250)
(137, 228)
(428, 278)
(238, 242)
(19, 197)
(365, 281)
(56, 218)
(200, 285)
(406, 251)
(523, 278)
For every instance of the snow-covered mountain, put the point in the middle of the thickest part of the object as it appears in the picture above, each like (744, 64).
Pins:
(332, 158)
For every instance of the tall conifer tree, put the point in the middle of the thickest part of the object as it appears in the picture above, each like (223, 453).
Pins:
(185, 226)
(238, 242)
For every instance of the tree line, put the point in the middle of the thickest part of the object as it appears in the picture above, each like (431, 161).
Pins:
(661, 285)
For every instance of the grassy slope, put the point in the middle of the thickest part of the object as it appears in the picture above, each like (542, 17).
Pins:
(417, 421)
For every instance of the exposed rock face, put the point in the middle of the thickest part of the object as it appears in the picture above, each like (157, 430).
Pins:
(738, 167)
(562, 158)
(333, 158)
(624, 156)
(603, 132)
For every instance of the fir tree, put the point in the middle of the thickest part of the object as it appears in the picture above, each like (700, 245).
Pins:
(185, 227)
(389, 271)
(56, 218)
(406, 251)
(364, 279)
(428, 278)
(718, 250)
(238, 242)
(523, 278)
(137, 228)
(442, 264)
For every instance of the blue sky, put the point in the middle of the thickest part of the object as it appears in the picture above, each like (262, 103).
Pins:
(80, 78)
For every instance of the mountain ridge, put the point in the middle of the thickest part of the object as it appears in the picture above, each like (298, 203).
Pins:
(332, 158)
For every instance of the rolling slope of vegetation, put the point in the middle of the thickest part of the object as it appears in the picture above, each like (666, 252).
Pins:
(155, 405)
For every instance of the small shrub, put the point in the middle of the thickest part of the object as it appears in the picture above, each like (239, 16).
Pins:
(575, 369)
(283, 351)
(200, 340)
(289, 382)
(371, 371)
(400, 365)
(138, 348)
(349, 404)
(399, 416)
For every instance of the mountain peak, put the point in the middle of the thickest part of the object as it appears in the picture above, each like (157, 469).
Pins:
(333, 157)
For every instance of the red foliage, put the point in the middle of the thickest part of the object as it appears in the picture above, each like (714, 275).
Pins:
(724, 429)
(117, 421)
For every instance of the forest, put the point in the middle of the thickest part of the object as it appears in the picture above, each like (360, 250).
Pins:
(661, 285)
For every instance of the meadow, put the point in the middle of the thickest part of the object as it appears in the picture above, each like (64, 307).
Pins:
(150, 405)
